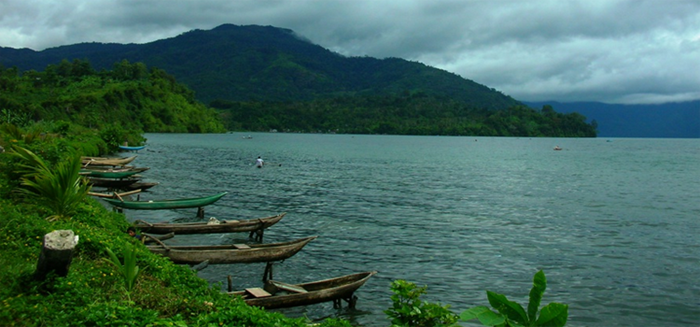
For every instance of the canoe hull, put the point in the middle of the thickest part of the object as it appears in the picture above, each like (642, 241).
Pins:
(166, 204)
(92, 161)
(204, 228)
(227, 254)
(318, 292)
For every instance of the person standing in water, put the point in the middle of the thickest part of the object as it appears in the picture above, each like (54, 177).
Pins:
(259, 162)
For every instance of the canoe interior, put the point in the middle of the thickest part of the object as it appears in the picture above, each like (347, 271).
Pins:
(314, 292)
(224, 226)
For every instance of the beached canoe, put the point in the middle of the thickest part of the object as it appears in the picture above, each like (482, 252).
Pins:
(221, 226)
(234, 253)
(98, 161)
(112, 173)
(282, 295)
(113, 183)
(166, 204)
(139, 186)
(151, 239)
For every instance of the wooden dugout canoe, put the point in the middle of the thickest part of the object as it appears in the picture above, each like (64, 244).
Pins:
(131, 148)
(112, 182)
(234, 253)
(166, 204)
(282, 295)
(108, 173)
(230, 226)
(98, 161)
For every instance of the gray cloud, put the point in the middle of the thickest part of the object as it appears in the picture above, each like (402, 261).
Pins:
(590, 50)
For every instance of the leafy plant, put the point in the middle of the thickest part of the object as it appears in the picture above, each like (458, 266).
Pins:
(512, 314)
(129, 270)
(409, 310)
(61, 188)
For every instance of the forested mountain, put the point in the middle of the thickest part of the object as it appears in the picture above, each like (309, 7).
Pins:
(679, 120)
(244, 63)
(262, 78)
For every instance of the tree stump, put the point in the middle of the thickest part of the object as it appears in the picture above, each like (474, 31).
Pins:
(56, 254)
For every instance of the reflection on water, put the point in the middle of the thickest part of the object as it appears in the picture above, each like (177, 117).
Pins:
(612, 224)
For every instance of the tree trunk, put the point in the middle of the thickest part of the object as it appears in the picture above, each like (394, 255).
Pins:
(56, 254)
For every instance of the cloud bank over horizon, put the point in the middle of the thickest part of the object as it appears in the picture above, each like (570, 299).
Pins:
(596, 50)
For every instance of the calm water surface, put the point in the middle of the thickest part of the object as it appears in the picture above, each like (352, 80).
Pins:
(613, 223)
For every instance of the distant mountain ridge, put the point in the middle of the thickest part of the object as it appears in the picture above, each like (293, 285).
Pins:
(244, 63)
(670, 120)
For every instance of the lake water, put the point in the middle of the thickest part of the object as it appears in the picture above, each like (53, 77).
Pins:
(612, 222)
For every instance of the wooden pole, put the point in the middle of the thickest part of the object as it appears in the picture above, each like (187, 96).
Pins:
(56, 254)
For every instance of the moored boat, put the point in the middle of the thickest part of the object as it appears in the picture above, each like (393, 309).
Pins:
(234, 253)
(218, 226)
(99, 161)
(112, 173)
(113, 183)
(131, 148)
(167, 204)
(282, 295)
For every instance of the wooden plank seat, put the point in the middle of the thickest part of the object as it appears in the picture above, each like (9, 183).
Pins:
(257, 292)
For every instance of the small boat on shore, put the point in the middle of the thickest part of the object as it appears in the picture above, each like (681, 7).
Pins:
(257, 225)
(99, 161)
(234, 253)
(282, 295)
(139, 186)
(112, 173)
(166, 204)
(151, 239)
(114, 183)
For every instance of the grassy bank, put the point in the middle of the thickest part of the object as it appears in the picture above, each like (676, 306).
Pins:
(94, 292)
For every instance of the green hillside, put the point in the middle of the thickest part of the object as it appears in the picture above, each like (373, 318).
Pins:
(243, 63)
(129, 96)
(263, 77)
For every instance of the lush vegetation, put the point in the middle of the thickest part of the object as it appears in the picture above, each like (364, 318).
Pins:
(407, 114)
(408, 310)
(129, 97)
(263, 78)
(113, 279)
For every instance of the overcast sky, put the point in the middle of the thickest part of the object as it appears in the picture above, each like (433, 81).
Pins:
(533, 50)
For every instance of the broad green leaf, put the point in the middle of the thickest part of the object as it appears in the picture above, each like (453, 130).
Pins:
(485, 316)
(539, 284)
(553, 315)
(511, 310)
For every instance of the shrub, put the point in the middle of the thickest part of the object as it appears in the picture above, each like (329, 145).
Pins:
(409, 310)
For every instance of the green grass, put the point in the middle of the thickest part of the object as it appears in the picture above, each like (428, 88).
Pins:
(95, 292)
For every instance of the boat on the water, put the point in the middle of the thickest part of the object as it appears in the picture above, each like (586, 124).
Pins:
(139, 186)
(233, 253)
(282, 295)
(112, 173)
(151, 239)
(131, 148)
(257, 225)
(99, 161)
(114, 183)
(166, 204)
